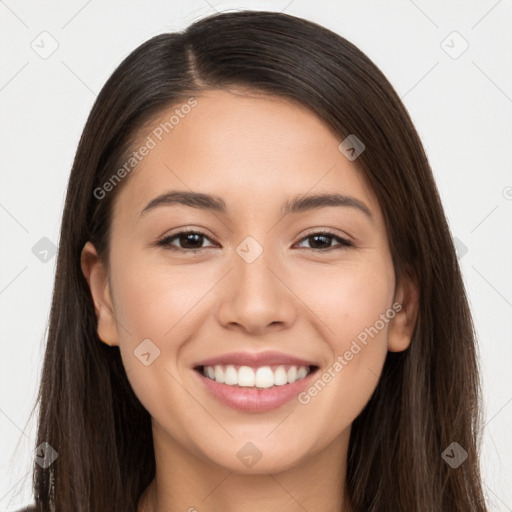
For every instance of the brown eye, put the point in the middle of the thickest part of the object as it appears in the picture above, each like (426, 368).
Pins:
(323, 240)
(188, 241)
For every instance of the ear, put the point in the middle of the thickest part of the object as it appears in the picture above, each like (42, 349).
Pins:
(97, 277)
(401, 327)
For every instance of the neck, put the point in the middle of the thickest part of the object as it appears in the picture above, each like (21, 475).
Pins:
(184, 481)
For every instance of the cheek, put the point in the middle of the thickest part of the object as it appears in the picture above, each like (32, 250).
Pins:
(163, 304)
(157, 301)
(358, 308)
(349, 298)
(355, 308)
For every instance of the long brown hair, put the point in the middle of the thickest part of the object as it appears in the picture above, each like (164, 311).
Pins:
(428, 396)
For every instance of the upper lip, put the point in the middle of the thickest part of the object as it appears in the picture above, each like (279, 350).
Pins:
(255, 359)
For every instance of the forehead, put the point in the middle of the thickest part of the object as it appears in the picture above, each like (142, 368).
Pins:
(254, 150)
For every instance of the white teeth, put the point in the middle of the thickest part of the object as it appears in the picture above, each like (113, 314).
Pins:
(291, 374)
(280, 376)
(230, 377)
(219, 374)
(301, 372)
(245, 376)
(262, 377)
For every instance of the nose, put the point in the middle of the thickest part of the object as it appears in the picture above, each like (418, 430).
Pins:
(256, 297)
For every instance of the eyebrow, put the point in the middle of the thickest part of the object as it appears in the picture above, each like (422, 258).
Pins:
(295, 205)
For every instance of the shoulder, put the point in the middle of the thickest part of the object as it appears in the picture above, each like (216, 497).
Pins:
(30, 508)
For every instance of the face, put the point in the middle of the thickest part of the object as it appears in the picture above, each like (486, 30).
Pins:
(256, 295)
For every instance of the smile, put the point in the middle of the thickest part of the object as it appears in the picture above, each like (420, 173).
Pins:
(263, 377)
(255, 382)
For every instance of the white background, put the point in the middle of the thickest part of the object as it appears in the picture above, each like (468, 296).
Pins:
(462, 108)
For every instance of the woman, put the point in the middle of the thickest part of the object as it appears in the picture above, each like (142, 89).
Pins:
(257, 302)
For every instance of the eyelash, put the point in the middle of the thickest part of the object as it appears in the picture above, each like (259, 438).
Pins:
(166, 242)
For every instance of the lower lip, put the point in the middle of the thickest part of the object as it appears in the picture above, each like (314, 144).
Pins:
(255, 399)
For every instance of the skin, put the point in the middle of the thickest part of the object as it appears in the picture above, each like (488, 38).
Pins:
(255, 152)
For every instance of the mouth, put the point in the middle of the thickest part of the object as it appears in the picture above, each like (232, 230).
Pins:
(255, 383)
(262, 377)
